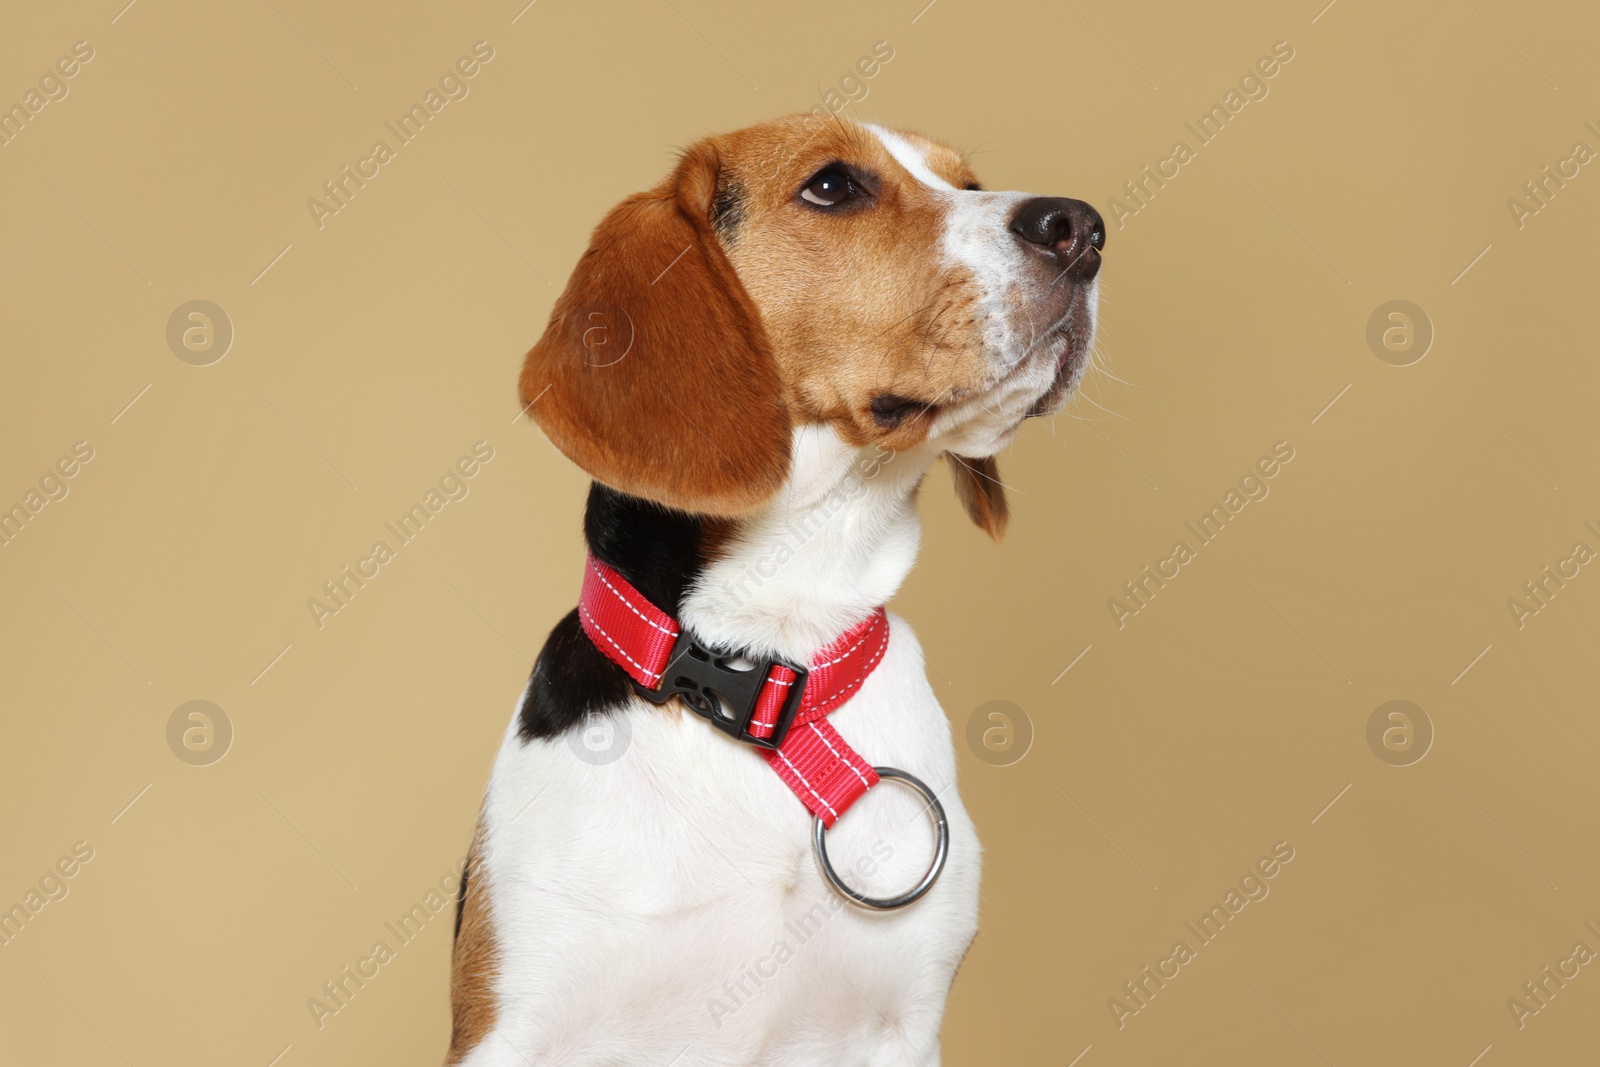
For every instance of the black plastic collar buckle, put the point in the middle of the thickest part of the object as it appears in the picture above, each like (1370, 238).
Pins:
(724, 694)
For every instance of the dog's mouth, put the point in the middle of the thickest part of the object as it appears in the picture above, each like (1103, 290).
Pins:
(1069, 369)
(1032, 380)
(1067, 344)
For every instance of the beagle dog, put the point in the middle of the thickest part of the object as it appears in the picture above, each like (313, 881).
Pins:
(757, 362)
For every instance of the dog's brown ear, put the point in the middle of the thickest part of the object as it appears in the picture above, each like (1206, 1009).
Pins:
(655, 374)
(978, 488)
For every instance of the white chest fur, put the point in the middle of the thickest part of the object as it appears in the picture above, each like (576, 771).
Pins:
(659, 903)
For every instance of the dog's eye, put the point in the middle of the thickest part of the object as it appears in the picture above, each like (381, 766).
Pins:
(828, 188)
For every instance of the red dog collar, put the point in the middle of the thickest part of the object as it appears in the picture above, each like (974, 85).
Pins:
(780, 708)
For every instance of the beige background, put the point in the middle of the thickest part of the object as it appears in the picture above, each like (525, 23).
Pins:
(1226, 716)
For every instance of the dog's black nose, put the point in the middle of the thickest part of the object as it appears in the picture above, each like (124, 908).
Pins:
(1069, 231)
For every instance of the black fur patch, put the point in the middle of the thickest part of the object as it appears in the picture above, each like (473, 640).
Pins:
(656, 549)
(727, 210)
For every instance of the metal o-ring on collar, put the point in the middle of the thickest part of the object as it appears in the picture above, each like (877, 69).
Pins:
(942, 853)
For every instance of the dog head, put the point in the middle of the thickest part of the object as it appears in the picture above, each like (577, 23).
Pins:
(813, 271)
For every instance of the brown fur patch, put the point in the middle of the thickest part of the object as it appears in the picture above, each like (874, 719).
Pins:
(978, 487)
(857, 303)
(655, 374)
(716, 538)
(474, 961)
(943, 160)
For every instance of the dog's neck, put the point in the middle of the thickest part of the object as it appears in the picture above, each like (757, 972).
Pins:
(835, 543)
